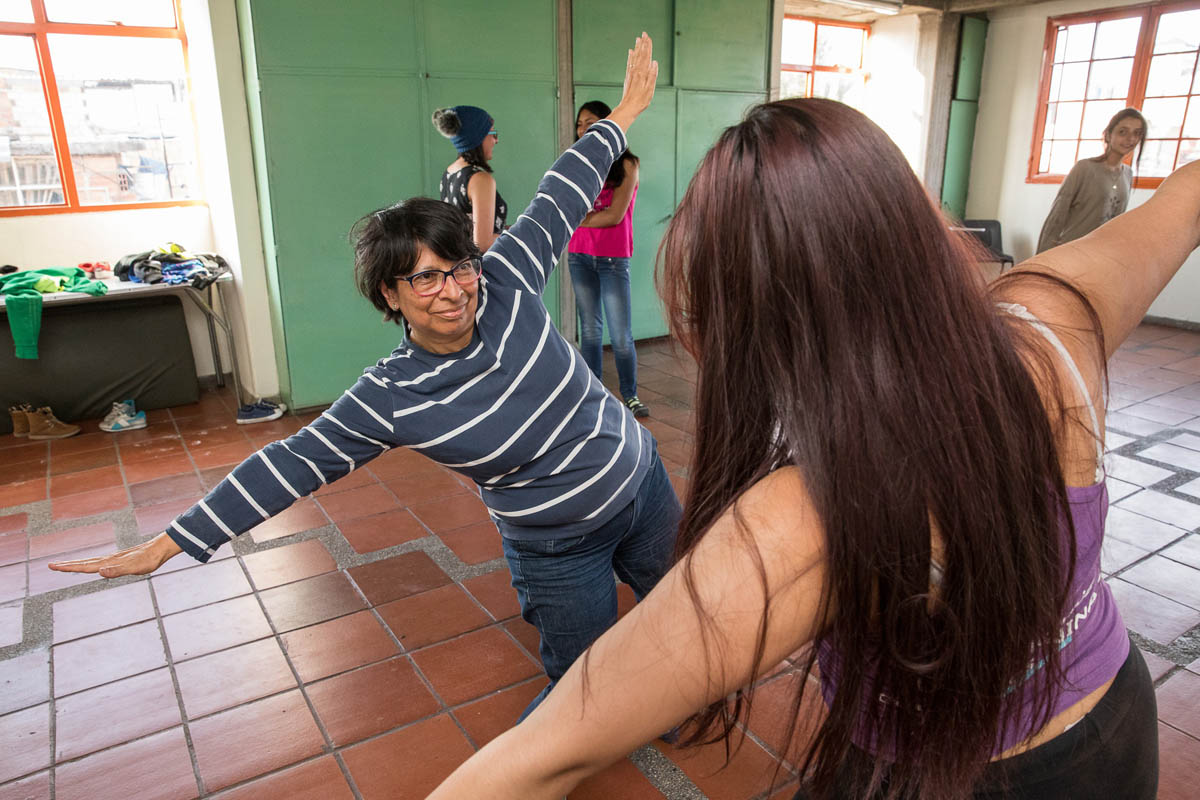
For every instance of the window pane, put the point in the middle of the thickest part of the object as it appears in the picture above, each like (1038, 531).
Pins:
(127, 116)
(839, 47)
(838, 86)
(1055, 82)
(1062, 120)
(1090, 148)
(793, 84)
(1079, 41)
(1060, 46)
(1189, 151)
(1096, 115)
(1170, 74)
(28, 166)
(1044, 158)
(1117, 38)
(151, 13)
(15, 11)
(1110, 79)
(798, 35)
(1178, 32)
(1074, 81)
(1164, 118)
(1158, 158)
(1062, 157)
(1192, 126)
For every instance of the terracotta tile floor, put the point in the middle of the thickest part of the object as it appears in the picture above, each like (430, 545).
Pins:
(363, 643)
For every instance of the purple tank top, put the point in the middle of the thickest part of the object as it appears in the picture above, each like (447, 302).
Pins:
(615, 241)
(1093, 640)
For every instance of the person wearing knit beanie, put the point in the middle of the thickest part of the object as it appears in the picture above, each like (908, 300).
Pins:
(468, 183)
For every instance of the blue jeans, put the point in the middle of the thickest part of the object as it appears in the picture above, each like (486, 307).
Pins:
(601, 280)
(566, 586)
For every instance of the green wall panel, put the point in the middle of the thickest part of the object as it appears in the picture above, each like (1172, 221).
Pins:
(702, 118)
(340, 99)
(722, 45)
(603, 30)
(970, 58)
(323, 177)
(652, 139)
(514, 37)
(347, 35)
(959, 141)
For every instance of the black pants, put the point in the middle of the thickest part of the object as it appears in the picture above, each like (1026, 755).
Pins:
(1111, 753)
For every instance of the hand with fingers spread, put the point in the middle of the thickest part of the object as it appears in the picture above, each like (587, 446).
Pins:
(641, 74)
(140, 560)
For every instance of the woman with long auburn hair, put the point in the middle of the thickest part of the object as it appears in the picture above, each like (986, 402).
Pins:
(914, 488)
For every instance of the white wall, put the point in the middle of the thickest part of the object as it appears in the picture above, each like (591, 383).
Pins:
(897, 92)
(1004, 138)
(227, 225)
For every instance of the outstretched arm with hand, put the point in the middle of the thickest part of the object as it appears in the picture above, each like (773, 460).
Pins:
(140, 560)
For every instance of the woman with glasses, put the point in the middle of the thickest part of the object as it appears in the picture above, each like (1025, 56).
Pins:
(486, 386)
(913, 497)
(467, 184)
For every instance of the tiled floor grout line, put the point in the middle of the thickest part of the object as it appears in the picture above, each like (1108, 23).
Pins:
(183, 716)
(407, 655)
(53, 710)
(330, 749)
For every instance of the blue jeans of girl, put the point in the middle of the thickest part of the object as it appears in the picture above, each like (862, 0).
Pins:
(602, 283)
(566, 586)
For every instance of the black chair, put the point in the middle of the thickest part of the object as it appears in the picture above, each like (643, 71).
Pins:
(987, 231)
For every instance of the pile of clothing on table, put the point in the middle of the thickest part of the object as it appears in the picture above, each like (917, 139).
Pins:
(171, 263)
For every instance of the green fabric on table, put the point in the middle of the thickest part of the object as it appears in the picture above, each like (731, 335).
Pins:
(23, 300)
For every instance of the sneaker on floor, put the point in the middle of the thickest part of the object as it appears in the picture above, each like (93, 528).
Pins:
(123, 417)
(638, 408)
(20, 420)
(44, 425)
(262, 411)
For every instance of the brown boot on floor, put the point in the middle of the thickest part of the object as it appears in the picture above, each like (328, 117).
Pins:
(20, 421)
(44, 425)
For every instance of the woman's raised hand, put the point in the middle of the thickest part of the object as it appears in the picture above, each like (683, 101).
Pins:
(641, 73)
(140, 560)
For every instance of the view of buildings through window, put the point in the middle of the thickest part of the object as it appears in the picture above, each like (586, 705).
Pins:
(1097, 64)
(94, 107)
(822, 58)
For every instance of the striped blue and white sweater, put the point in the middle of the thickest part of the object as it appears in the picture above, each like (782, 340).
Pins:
(517, 411)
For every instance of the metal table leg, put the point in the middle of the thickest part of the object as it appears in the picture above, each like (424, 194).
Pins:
(213, 317)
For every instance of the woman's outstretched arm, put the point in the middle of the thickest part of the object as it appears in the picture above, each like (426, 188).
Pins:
(1123, 265)
(660, 663)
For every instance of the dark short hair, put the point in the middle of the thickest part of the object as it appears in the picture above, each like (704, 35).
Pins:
(386, 243)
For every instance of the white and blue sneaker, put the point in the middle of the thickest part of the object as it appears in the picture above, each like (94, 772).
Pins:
(262, 411)
(124, 416)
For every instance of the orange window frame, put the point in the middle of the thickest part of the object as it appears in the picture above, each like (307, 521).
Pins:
(1150, 14)
(813, 67)
(39, 30)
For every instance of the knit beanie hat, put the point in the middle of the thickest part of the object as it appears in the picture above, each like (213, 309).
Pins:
(464, 126)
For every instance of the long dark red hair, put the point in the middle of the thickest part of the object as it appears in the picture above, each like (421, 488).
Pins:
(841, 328)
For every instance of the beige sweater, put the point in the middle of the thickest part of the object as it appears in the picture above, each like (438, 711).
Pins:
(1091, 195)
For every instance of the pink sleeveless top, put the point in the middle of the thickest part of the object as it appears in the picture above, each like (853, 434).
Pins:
(615, 241)
(1093, 642)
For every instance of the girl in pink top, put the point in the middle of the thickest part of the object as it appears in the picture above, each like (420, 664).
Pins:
(598, 256)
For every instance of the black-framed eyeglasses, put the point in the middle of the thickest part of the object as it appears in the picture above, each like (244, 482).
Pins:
(430, 281)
